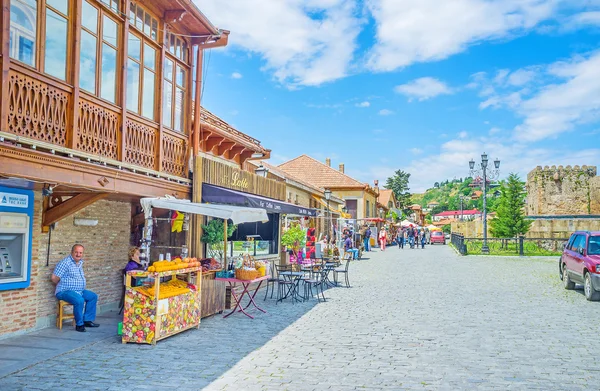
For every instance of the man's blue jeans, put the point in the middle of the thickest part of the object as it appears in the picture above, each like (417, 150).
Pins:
(411, 240)
(367, 244)
(354, 252)
(89, 299)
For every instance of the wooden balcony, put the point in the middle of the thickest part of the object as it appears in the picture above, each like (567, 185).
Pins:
(43, 111)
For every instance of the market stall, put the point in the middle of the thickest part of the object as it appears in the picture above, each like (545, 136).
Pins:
(170, 298)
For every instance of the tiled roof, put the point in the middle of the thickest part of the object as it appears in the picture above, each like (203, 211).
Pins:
(385, 196)
(280, 173)
(467, 212)
(318, 174)
(228, 131)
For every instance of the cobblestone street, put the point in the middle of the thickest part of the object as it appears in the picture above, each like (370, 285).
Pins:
(413, 319)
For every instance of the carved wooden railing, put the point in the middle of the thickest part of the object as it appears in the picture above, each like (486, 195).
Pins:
(98, 130)
(36, 109)
(174, 146)
(40, 108)
(140, 143)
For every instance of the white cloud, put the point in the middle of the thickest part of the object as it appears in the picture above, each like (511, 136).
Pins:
(452, 161)
(463, 135)
(363, 104)
(416, 151)
(521, 77)
(304, 43)
(385, 112)
(423, 88)
(559, 107)
(410, 31)
(494, 131)
(236, 75)
(590, 18)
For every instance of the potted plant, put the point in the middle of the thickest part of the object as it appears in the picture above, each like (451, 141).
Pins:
(213, 236)
(294, 239)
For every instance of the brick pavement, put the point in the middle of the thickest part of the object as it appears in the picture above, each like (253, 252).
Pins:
(414, 319)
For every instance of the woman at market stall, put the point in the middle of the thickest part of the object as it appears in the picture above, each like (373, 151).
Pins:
(382, 238)
(134, 260)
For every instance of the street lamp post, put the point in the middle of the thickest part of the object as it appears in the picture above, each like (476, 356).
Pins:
(462, 198)
(328, 197)
(486, 173)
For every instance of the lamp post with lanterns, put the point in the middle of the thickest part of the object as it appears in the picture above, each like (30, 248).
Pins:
(328, 197)
(484, 172)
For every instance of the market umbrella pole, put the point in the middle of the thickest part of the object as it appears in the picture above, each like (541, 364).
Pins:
(224, 243)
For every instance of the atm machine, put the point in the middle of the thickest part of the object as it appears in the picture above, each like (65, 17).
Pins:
(16, 215)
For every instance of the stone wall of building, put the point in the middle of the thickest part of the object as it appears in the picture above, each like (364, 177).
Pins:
(563, 191)
(106, 247)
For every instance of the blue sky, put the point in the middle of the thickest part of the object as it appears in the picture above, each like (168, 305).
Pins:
(418, 85)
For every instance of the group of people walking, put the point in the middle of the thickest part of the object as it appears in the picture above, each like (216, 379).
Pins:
(412, 237)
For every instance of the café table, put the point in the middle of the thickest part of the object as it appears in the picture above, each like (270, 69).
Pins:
(294, 290)
(238, 298)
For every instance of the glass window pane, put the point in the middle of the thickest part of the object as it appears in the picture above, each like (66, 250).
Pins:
(114, 5)
(133, 83)
(89, 17)
(180, 76)
(109, 73)
(139, 19)
(167, 103)
(56, 45)
(168, 69)
(154, 34)
(87, 63)
(149, 56)
(132, 13)
(178, 120)
(59, 5)
(23, 24)
(184, 53)
(109, 31)
(147, 24)
(148, 95)
(133, 46)
(172, 43)
(178, 48)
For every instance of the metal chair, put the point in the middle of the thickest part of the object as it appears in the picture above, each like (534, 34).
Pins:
(316, 279)
(342, 271)
(271, 282)
(283, 283)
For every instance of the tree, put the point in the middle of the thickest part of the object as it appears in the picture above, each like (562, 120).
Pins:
(399, 185)
(436, 185)
(510, 220)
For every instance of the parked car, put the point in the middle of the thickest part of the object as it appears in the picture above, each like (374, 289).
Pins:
(438, 237)
(580, 263)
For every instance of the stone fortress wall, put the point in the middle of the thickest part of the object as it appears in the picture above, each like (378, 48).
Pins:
(563, 191)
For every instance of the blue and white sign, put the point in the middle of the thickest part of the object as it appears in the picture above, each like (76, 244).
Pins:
(14, 200)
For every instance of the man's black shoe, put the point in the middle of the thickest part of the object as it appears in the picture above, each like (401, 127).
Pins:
(90, 324)
(81, 329)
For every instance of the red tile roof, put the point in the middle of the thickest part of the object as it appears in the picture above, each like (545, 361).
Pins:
(318, 174)
(385, 196)
(467, 212)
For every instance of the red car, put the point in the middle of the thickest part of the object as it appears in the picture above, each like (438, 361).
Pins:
(437, 237)
(580, 263)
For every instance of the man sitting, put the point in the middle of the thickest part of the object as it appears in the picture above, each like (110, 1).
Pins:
(70, 287)
(348, 247)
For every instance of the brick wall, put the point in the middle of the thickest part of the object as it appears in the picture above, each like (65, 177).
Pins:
(106, 247)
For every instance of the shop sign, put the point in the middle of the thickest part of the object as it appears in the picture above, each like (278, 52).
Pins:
(14, 200)
(236, 181)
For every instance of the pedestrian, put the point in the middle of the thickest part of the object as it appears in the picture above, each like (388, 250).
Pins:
(382, 238)
(70, 287)
(428, 235)
(411, 237)
(404, 237)
(348, 247)
(368, 239)
(423, 238)
(416, 234)
(399, 238)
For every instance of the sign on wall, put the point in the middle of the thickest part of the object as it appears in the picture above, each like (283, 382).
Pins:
(14, 200)
(223, 175)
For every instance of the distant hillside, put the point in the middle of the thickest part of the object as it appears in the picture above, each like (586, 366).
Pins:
(447, 194)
